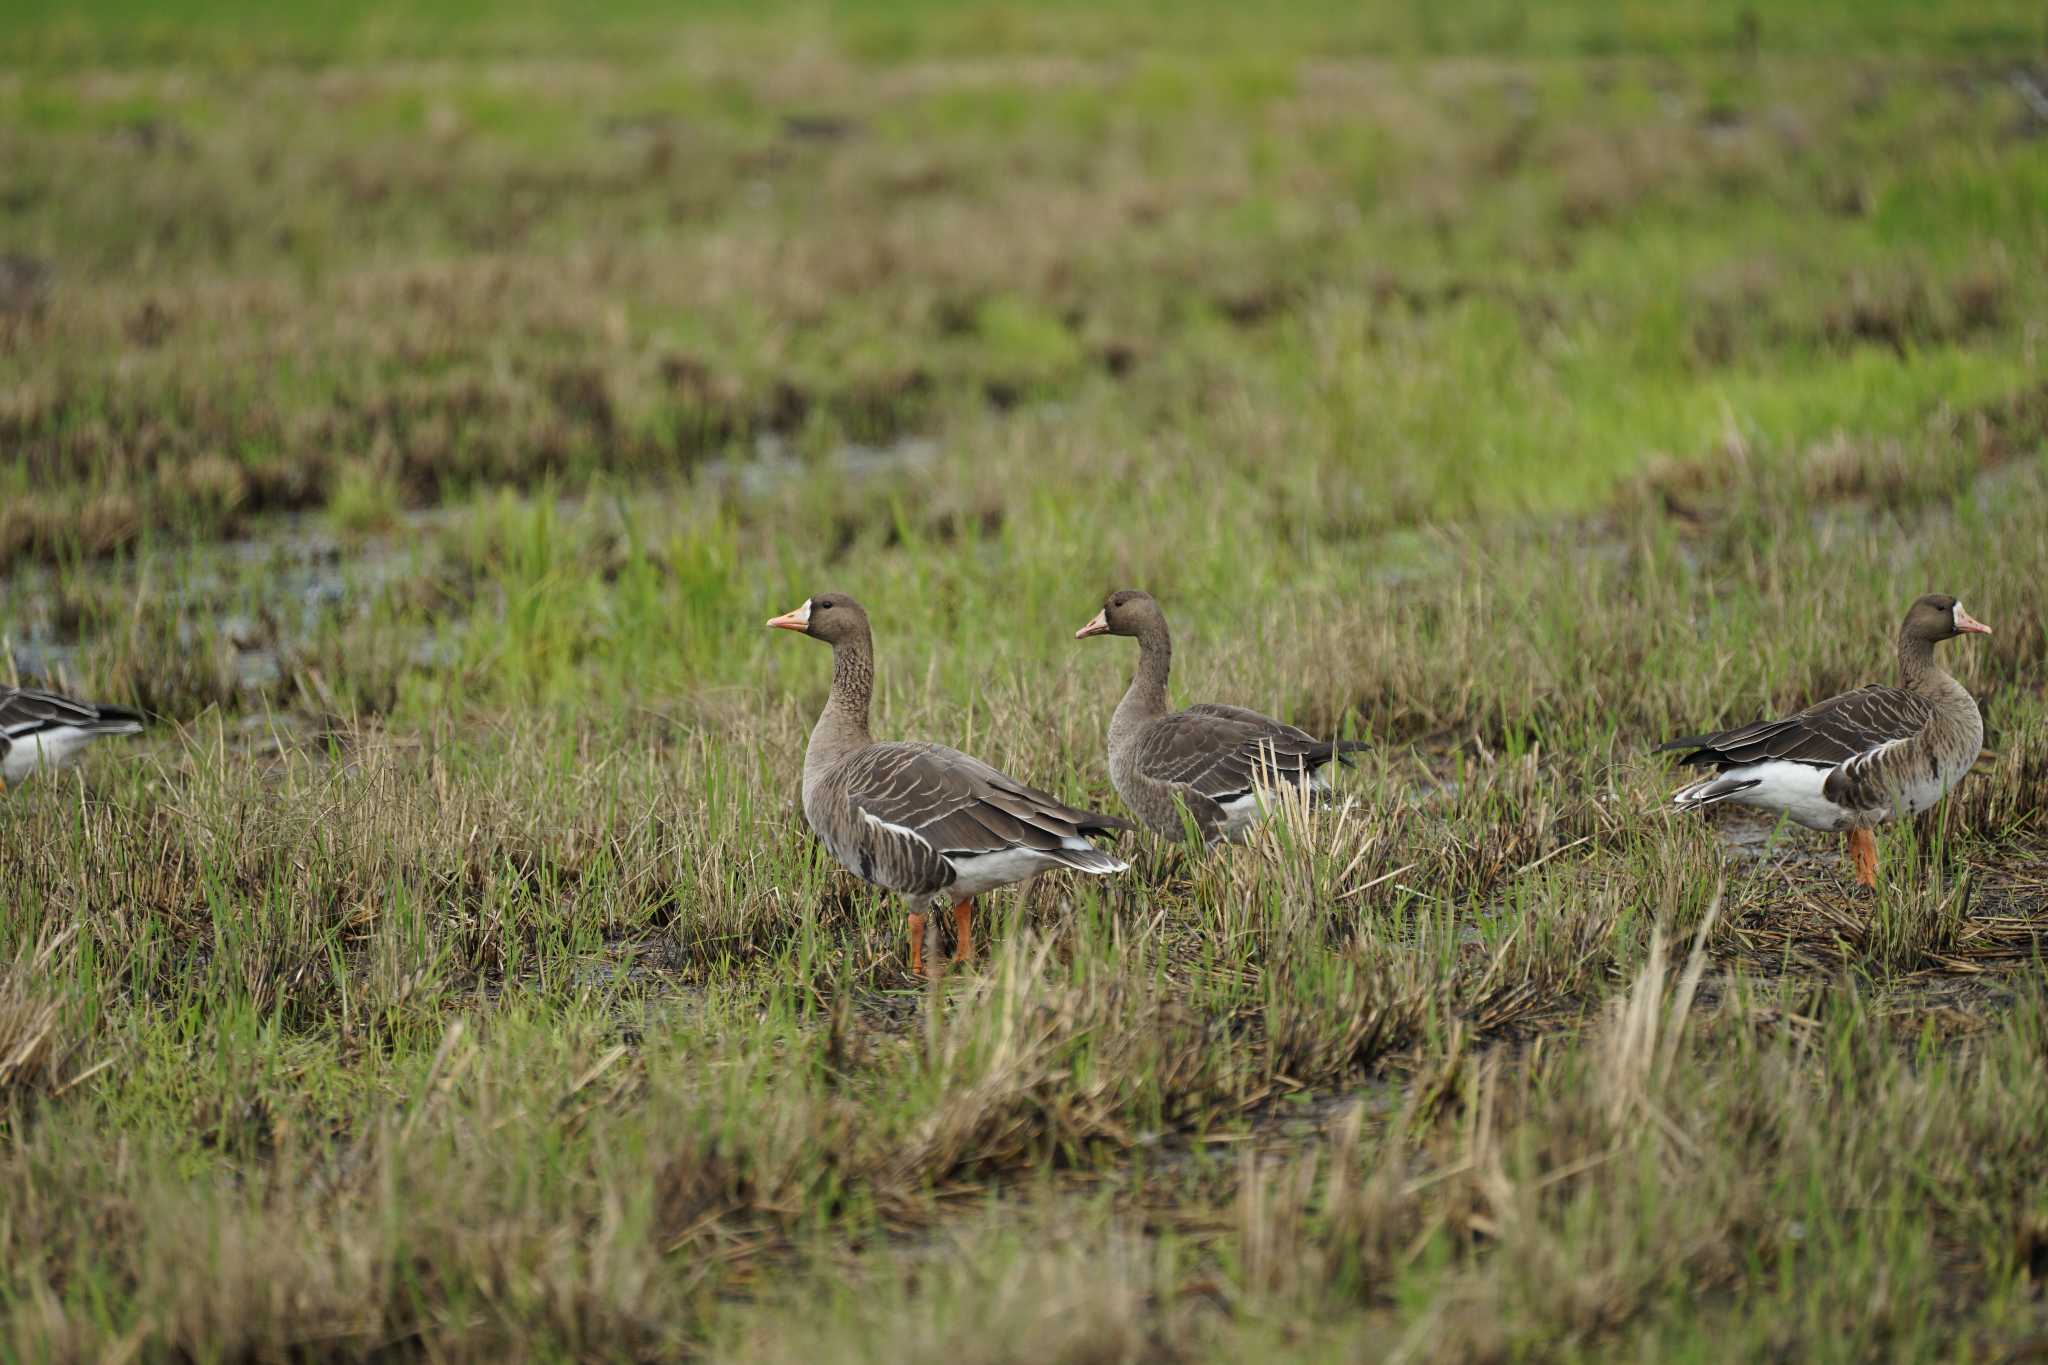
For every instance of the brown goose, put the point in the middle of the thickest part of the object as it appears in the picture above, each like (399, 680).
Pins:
(922, 820)
(1859, 759)
(1219, 762)
(44, 730)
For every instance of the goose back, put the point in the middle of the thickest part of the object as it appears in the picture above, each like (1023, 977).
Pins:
(914, 817)
(1216, 760)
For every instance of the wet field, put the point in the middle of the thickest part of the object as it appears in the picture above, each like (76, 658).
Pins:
(419, 417)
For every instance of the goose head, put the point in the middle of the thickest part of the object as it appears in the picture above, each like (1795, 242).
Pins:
(832, 617)
(1937, 616)
(1124, 612)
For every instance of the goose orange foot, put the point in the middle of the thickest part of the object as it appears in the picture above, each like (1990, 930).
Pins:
(916, 944)
(963, 930)
(963, 936)
(1863, 856)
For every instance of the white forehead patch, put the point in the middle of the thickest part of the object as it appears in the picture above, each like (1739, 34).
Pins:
(1955, 613)
(803, 613)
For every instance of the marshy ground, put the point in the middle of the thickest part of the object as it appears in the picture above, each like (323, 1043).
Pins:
(421, 413)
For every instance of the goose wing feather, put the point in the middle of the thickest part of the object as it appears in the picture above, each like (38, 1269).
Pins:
(917, 806)
(1826, 734)
(26, 711)
(1227, 751)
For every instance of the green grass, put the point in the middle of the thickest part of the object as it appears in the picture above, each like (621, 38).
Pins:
(886, 32)
(407, 282)
(420, 412)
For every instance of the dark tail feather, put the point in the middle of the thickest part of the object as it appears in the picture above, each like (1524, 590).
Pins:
(1337, 749)
(1094, 822)
(114, 720)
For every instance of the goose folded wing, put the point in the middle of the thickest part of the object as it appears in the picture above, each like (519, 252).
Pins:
(1226, 751)
(951, 803)
(1824, 735)
(26, 711)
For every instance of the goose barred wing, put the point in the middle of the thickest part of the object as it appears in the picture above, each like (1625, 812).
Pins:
(27, 711)
(1226, 751)
(941, 801)
(1825, 735)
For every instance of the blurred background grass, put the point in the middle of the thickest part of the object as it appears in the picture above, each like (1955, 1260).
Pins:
(1393, 289)
(882, 31)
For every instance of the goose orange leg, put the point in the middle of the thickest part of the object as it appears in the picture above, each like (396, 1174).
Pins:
(917, 943)
(1863, 854)
(963, 930)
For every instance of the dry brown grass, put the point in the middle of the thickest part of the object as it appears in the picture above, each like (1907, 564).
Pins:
(38, 1045)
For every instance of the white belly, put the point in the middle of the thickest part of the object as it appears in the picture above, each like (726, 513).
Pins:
(1921, 789)
(1919, 796)
(1240, 816)
(1794, 790)
(49, 749)
(1243, 814)
(978, 872)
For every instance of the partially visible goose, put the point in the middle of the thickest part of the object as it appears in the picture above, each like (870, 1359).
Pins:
(1221, 763)
(43, 730)
(1859, 759)
(922, 820)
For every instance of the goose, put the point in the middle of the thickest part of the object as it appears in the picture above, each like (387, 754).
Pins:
(1856, 760)
(1220, 763)
(926, 822)
(43, 730)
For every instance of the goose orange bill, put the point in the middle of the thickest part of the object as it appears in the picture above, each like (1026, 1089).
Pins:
(800, 619)
(1969, 624)
(1096, 627)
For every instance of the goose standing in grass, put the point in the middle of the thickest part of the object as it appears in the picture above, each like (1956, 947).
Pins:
(1219, 763)
(1859, 759)
(927, 822)
(43, 730)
